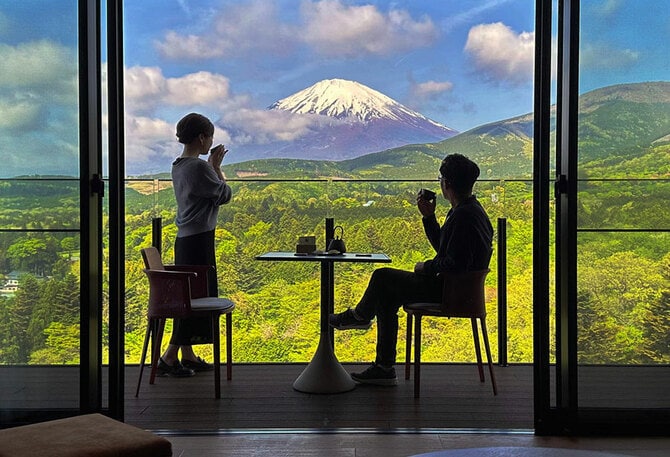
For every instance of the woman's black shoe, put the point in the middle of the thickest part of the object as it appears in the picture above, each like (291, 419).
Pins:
(198, 365)
(176, 370)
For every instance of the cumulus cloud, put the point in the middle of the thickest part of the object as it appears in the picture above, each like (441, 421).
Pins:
(148, 138)
(22, 115)
(38, 102)
(335, 29)
(151, 98)
(500, 54)
(150, 95)
(39, 66)
(431, 88)
(201, 88)
(37, 86)
(604, 57)
(329, 27)
(264, 126)
(146, 88)
(252, 27)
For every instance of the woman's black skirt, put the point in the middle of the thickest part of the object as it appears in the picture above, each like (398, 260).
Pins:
(195, 250)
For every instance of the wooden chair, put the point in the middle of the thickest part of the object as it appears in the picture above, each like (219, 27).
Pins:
(462, 296)
(180, 291)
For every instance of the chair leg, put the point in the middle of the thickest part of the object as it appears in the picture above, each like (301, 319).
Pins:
(229, 346)
(216, 341)
(408, 345)
(488, 356)
(156, 347)
(417, 356)
(478, 349)
(145, 345)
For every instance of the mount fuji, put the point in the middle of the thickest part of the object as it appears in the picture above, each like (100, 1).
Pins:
(346, 120)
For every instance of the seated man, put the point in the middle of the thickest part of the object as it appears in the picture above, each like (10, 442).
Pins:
(463, 243)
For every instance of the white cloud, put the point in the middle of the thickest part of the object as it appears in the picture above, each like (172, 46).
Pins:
(38, 73)
(153, 129)
(201, 88)
(38, 88)
(329, 27)
(431, 88)
(602, 56)
(149, 138)
(151, 98)
(36, 63)
(146, 88)
(250, 28)
(263, 126)
(190, 47)
(607, 7)
(501, 54)
(142, 83)
(21, 115)
(335, 29)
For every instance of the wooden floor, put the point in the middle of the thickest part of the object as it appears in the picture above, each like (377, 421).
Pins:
(261, 397)
(451, 443)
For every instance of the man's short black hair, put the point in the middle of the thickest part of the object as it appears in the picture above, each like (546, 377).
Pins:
(460, 173)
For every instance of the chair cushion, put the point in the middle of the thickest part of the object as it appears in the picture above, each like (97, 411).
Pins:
(212, 304)
(87, 435)
(428, 309)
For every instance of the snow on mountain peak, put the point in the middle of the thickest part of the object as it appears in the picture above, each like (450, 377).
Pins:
(343, 99)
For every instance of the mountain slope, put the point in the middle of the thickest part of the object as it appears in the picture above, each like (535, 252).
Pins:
(354, 120)
(342, 99)
(622, 124)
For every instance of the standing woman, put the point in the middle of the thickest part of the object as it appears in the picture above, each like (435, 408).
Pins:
(200, 188)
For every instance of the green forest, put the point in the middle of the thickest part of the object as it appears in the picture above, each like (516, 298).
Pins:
(624, 277)
(623, 243)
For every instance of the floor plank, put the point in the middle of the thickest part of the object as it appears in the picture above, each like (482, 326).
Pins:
(261, 397)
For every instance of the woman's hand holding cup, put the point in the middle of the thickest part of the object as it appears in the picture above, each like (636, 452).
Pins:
(216, 155)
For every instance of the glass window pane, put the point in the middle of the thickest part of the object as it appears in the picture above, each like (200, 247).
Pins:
(624, 152)
(39, 206)
(39, 319)
(624, 204)
(467, 67)
(623, 302)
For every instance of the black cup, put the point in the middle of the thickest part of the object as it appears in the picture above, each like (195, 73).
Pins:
(426, 194)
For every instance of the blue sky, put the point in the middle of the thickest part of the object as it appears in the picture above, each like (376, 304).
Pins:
(462, 63)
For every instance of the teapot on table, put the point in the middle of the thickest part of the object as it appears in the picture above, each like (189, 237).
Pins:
(337, 244)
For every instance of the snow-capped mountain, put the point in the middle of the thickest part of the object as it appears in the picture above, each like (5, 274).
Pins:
(344, 99)
(353, 120)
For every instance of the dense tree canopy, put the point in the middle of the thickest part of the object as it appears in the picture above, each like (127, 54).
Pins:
(624, 278)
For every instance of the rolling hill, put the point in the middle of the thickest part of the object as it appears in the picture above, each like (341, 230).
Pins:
(626, 123)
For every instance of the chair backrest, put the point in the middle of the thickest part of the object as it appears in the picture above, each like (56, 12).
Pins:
(167, 298)
(463, 294)
(152, 259)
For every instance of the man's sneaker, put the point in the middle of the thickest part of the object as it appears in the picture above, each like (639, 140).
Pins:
(176, 370)
(347, 320)
(377, 375)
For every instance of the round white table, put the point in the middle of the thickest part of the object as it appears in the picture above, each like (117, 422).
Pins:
(324, 374)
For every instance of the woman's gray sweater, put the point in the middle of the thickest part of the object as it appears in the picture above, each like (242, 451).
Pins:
(199, 193)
